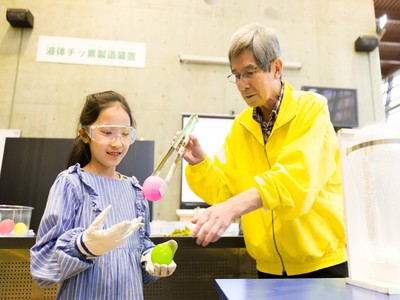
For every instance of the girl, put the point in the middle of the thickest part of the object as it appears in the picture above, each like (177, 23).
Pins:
(93, 238)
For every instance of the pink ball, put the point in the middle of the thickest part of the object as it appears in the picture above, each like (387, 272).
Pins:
(6, 226)
(151, 188)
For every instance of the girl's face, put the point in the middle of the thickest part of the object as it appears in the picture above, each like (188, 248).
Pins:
(106, 157)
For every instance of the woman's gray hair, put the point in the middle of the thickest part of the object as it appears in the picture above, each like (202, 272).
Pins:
(262, 41)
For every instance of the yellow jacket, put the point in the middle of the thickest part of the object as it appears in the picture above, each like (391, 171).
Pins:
(300, 228)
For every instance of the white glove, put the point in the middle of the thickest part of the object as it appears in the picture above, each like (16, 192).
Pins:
(157, 269)
(96, 241)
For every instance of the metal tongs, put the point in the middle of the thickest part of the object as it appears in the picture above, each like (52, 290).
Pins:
(181, 141)
(154, 187)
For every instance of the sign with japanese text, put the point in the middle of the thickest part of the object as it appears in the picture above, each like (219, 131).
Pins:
(91, 52)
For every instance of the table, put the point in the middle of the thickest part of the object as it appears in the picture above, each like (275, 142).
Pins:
(295, 289)
(194, 278)
(183, 242)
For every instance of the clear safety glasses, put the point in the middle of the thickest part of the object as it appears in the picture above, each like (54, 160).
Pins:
(106, 134)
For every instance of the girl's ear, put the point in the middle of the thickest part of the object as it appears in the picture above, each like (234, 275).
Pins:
(83, 135)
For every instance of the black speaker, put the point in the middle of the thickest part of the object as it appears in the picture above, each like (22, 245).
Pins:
(20, 17)
(366, 43)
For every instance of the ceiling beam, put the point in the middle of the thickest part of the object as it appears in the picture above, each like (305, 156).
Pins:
(389, 36)
(390, 21)
(389, 44)
(390, 62)
(391, 14)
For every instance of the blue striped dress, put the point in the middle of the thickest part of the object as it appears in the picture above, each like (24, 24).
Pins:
(74, 201)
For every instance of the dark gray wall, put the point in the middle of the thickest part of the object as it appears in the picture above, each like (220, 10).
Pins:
(30, 166)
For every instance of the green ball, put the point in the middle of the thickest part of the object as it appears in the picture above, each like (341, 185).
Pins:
(162, 254)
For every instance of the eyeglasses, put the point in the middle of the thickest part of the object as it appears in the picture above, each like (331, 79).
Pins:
(106, 134)
(248, 74)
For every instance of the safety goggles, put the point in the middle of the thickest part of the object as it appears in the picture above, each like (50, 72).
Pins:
(106, 134)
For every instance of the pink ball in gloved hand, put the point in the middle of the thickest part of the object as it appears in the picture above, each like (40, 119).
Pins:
(151, 188)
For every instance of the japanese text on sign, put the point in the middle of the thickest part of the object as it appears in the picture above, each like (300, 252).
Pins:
(91, 52)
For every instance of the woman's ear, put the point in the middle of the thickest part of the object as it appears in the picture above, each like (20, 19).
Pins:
(83, 135)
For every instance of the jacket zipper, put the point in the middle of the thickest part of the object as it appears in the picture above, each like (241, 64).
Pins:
(272, 212)
(273, 226)
(276, 247)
